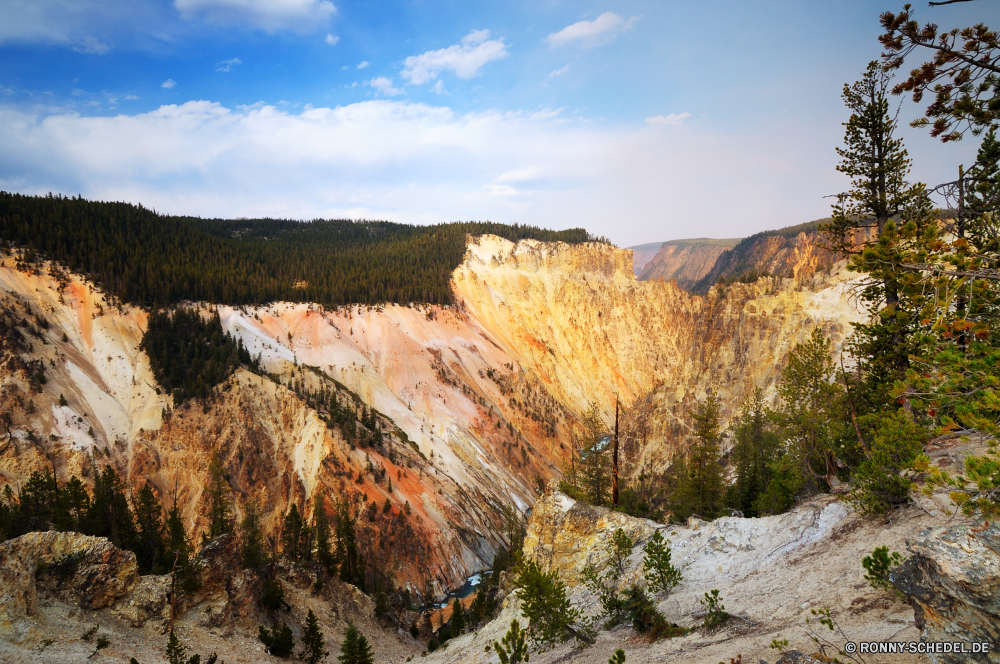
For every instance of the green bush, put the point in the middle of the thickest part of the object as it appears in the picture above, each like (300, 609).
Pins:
(279, 640)
(896, 445)
(878, 566)
(660, 574)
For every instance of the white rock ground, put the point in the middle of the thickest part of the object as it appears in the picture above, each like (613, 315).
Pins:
(772, 571)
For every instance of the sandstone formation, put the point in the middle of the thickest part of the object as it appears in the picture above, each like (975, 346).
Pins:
(952, 579)
(687, 261)
(794, 252)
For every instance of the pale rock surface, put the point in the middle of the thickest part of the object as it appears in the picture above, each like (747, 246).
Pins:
(952, 578)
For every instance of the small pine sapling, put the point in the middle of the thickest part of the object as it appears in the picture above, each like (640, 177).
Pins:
(716, 612)
(312, 641)
(660, 573)
(878, 565)
(512, 648)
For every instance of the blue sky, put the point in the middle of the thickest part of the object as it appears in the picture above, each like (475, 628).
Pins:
(641, 121)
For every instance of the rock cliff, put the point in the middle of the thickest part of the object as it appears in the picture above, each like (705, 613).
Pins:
(479, 401)
(687, 261)
(952, 579)
(771, 573)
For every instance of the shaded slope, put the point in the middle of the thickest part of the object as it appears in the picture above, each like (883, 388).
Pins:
(687, 261)
(791, 252)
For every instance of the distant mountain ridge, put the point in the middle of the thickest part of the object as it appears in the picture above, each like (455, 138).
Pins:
(697, 264)
(687, 260)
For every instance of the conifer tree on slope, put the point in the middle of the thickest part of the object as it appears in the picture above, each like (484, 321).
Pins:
(862, 224)
(312, 641)
(701, 491)
(355, 648)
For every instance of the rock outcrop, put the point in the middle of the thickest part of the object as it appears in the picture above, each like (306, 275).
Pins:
(87, 571)
(952, 579)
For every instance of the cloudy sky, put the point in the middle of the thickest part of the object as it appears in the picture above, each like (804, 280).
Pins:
(642, 121)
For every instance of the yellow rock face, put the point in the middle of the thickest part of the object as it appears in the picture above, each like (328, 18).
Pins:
(485, 395)
(576, 317)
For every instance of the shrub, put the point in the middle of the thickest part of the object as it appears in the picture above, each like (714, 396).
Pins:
(279, 640)
(878, 485)
(716, 610)
(660, 574)
(878, 566)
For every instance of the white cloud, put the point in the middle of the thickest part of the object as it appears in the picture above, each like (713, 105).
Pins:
(416, 163)
(130, 97)
(592, 33)
(76, 92)
(439, 88)
(227, 65)
(91, 45)
(364, 64)
(268, 15)
(464, 59)
(169, 84)
(85, 26)
(383, 86)
(332, 39)
(672, 119)
(559, 72)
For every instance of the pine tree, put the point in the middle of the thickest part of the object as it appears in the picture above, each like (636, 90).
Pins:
(321, 526)
(149, 518)
(312, 641)
(595, 468)
(350, 562)
(701, 491)
(175, 650)
(862, 220)
(456, 625)
(512, 649)
(756, 447)
(355, 648)
(809, 417)
(291, 533)
(220, 517)
(252, 538)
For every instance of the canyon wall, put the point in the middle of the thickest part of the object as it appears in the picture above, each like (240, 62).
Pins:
(479, 401)
(687, 261)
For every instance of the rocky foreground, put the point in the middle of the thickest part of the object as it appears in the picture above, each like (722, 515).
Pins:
(772, 572)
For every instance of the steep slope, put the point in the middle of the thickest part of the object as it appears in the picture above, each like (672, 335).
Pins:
(479, 402)
(792, 252)
(576, 318)
(772, 572)
(642, 254)
(687, 261)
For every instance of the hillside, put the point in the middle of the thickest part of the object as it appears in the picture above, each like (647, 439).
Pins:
(477, 402)
(155, 260)
(791, 252)
(687, 261)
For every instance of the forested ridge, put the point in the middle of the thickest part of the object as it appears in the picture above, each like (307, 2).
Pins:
(155, 260)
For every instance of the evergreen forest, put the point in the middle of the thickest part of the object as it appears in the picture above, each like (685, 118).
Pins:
(156, 260)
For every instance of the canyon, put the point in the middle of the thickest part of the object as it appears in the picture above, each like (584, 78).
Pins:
(479, 401)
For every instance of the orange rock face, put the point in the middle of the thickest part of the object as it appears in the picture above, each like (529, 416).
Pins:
(478, 403)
